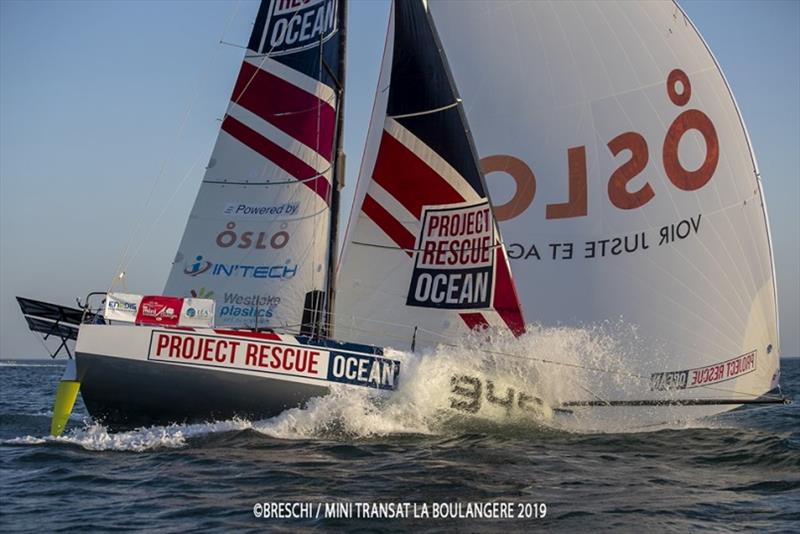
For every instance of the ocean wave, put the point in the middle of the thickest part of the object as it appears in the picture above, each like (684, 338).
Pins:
(44, 363)
(489, 383)
(96, 437)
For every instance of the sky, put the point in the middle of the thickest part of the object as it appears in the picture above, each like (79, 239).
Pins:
(98, 99)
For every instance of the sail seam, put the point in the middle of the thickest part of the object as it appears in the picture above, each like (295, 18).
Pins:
(427, 112)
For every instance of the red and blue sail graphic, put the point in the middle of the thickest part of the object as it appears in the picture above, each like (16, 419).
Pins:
(424, 199)
(266, 199)
(285, 93)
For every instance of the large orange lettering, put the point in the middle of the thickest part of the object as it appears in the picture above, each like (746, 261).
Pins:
(577, 205)
(617, 191)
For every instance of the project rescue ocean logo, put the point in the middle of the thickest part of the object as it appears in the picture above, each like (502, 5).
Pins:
(272, 355)
(294, 25)
(454, 260)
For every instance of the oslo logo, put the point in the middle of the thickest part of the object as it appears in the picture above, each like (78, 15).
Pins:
(620, 192)
(228, 238)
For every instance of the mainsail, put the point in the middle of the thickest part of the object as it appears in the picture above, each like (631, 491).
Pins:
(625, 184)
(258, 237)
(423, 257)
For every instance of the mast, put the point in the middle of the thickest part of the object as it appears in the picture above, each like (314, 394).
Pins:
(337, 181)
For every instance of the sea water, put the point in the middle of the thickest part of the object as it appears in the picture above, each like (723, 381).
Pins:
(464, 433)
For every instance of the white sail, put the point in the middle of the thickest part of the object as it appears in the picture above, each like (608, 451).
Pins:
(424, 260)
(624, 182)
(257, 236)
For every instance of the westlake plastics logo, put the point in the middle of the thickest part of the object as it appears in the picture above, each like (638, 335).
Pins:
(237, 307)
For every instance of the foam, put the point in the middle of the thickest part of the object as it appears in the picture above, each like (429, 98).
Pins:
(553, 364)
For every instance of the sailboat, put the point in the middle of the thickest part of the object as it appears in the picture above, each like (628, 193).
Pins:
(256, 318)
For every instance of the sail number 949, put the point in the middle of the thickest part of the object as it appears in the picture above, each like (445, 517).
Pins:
(469, 392)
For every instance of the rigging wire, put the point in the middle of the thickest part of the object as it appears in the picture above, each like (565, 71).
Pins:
(167, 205)
(125, 260)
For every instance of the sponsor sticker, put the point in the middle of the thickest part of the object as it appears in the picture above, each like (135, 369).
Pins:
(159, 310)
(273, 357)
(704, 376)
(197, 313)
(237, 308)
(454, 260)
(122, 307)
(156, 309)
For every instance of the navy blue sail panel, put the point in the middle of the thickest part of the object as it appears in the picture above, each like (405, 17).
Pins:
(290, 32)
(421, 83)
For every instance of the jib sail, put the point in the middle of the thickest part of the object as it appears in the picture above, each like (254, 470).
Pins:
(423, 259)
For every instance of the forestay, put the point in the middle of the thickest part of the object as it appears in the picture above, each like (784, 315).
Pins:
(624, 183)
(423, 259)
(257, 236)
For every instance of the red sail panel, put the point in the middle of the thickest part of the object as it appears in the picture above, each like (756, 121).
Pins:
(474, 320)
(293, 110)
(279, 156)
(506, 302)
(409, 179)
(390, 226)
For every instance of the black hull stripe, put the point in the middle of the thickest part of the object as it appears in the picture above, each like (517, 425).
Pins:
(125, 393)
